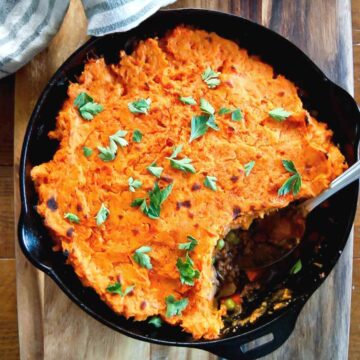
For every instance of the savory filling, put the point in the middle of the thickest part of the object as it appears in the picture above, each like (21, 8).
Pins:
(245, 259)
(159, 156)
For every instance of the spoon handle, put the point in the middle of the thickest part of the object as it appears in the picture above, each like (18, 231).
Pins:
(350, 175)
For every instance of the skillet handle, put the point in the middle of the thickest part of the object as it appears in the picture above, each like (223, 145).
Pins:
(249, 347)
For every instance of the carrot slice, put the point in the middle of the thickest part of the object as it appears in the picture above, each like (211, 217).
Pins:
(253, 274)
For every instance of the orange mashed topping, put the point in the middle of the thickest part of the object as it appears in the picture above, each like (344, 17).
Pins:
(163, 70)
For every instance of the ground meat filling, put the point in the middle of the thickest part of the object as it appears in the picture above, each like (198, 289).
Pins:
(242, 257)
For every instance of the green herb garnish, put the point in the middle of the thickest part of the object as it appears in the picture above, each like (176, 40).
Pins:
(156, 198)
(183, 164)
(211, 78)
(72, 218)
(224, 111)
(109, 153)
(296, 268)
(198, 126)
(87, 151)
(248, 167)
(188, 273)
(86, 106)
(210, 182)
(293, 183)
(236, 115)
(118, 138)
(141, 106)
(137, 136)
(156, 321)
(116, 288)
(134, 184)
(137, 202)
(206, 107)
(82, 99)
(106, 153)
(155, 170)
(175, 307)
(201, 123)
(176, 151)
(279, 114)
(142, 258)
(211, 123)
(188, 100)
(189, 245)
(102, 215)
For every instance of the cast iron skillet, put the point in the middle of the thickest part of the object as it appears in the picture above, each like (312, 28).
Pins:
(333, 223)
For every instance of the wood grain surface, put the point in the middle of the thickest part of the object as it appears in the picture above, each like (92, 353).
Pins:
(50, 326)
(9, 348)
(354, 346)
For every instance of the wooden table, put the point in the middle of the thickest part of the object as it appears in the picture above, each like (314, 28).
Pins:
(49, 324)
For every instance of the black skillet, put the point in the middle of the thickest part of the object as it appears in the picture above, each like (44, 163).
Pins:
(333, 223)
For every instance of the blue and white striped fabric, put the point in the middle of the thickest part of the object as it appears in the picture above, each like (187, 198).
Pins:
(26, 26)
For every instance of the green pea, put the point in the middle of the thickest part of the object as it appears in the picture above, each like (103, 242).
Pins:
(220, 244)
(230, 304)
(232, 238)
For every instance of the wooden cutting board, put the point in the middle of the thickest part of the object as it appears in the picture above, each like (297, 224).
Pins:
(52, 327)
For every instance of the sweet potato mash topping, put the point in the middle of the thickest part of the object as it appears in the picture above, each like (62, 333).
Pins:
(159, 156)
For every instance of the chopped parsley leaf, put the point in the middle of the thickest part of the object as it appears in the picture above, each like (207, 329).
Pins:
(176, 151)
(141, 106)
(175, 307)
(211, 123)
(183, 164)
(156, 321)
(236, 115)
(82, 99)
(188, 245)
(134, 184)
(155, 170)
(106, 153)
(156, 198)
(206, 107)
(224, 111)
(73, 218)
(137, 136)
(118, 138)
(198, 126)
(211, 78)
(293, 183)
(86, 106)
(188, 100)
(188, 273)
(116, 288)
(87, 151)
(109, 153)
(248, 167)
(142, 258)
(102, 215)
(210, 182)
(279, 114)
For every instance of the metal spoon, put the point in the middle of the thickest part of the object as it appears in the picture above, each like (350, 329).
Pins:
(349, 176)
(346, 178)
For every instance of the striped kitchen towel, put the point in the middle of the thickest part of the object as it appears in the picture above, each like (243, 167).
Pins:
(26, 26)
